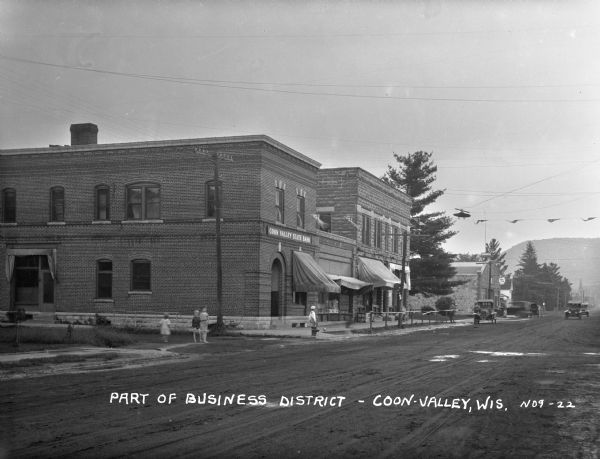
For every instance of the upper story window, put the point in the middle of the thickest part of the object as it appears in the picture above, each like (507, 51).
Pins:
(386, 236)
(9, 205)
(104, 272)
(212, 188)
(366, 230)
(102, 203)
(57, 204)
(396, 240)
(279, 205)
(300, 203)
(143, 202)
(378, 224)
(141, 276)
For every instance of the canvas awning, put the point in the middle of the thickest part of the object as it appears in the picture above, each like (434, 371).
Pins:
(308, 276)
(351, 283)
(376, 273)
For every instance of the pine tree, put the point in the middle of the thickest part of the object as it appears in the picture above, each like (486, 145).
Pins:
(493, 248)
(539, 283)
(431, 271)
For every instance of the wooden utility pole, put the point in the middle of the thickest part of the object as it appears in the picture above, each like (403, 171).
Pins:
(216, 158)
(403, 275)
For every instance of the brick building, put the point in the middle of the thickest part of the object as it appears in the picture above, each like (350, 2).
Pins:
(131, 229)
(358, 206)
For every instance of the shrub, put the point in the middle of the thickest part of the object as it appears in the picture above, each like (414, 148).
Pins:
(444, 303)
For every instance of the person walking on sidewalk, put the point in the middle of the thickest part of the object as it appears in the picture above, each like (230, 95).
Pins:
(165, 328)
(204, 325)
(312, 321)
(196, 326)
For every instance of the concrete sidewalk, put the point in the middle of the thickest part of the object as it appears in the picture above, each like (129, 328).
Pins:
(329, 331)
(340, 330)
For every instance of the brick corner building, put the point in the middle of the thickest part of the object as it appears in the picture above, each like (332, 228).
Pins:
(129, 230)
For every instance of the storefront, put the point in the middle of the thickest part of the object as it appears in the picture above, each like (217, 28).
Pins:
(384, 283)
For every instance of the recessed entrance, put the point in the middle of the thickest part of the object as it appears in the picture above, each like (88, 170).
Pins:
(276, 277)
(33, 283)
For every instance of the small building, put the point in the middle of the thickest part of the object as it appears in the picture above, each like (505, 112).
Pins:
(481, 282)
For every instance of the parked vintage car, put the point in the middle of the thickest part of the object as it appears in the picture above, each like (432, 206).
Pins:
(484, 310)
(584, 310)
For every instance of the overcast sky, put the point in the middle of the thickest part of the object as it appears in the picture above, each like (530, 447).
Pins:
(506, 94)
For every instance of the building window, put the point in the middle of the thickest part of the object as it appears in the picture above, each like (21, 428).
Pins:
(102, 203)
(9, 205)
(395, 240)
(378, 224)
(300, 298)
(212, 188)
(140, 276)
(143, 202)
(366, 230)
(104, 279)
(386, 237)
(279, 205)
(300, 211)
(57, 204)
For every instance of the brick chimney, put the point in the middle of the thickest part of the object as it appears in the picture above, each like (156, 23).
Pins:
(84, 134)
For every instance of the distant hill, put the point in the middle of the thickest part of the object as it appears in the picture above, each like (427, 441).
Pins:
(578, 258)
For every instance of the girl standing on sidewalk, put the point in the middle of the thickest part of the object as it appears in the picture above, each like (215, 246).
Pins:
(196, 325)
(204, 325)
(165, 329)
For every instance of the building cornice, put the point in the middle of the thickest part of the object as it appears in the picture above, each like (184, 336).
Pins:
(164, 143)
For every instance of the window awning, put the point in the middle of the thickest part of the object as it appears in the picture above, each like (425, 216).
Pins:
(376, 273)
(309, 276)
(351, 283)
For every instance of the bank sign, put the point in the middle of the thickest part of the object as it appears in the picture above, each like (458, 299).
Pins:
(286, 234)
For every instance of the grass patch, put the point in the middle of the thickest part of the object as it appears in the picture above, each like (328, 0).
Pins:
(96, 336)
(24, 363)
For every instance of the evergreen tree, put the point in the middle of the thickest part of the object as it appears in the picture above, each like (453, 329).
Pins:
(493, 248)
(540, 283)
(431, 271)
(525, 278)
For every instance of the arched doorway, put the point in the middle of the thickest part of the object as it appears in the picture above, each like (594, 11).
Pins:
(276, 281)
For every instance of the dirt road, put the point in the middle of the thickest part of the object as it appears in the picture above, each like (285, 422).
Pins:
(522, 388)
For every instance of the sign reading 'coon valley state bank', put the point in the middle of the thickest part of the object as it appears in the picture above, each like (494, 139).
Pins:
(286, 234)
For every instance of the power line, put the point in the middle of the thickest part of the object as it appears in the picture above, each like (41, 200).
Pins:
(207, 83)
(532, 184)
(304, 35)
